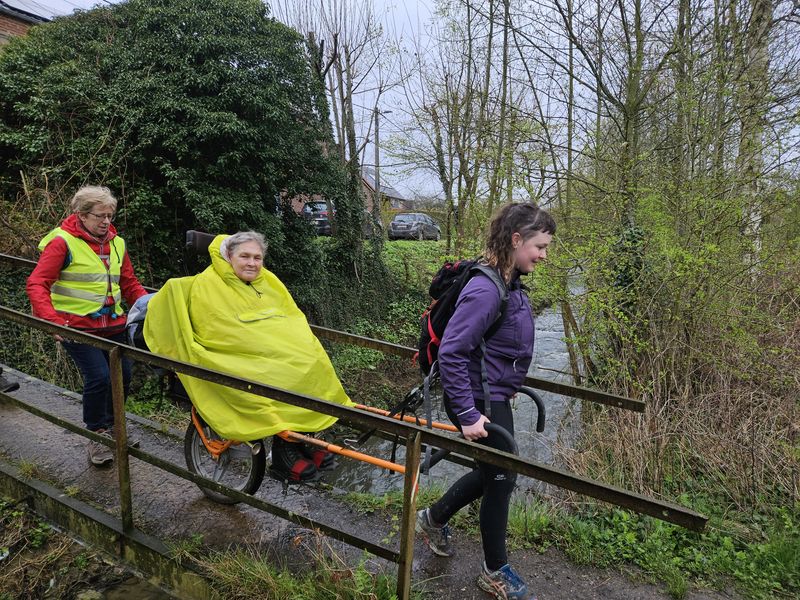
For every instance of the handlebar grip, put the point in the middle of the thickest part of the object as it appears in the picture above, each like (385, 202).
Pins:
(540, 410)
(511, 446)
(503, 433)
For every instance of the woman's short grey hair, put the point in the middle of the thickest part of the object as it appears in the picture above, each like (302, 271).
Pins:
(89, 196)
(229, 244)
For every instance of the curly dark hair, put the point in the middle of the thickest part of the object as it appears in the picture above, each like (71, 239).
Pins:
(527, 219)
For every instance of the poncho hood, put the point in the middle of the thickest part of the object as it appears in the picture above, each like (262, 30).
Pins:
(251, 330)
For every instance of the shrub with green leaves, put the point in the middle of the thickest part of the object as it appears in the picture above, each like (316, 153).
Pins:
(198, 116)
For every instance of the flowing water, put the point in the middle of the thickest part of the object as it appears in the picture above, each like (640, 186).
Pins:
(550, 361)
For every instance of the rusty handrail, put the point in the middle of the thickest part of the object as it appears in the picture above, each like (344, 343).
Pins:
(659, 509)
(565, 389)
(413, 434)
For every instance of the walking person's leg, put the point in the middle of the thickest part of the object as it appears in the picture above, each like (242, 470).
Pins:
(497, 577)
(127, 370)
(93, 365)
(432, 522)
(498, 485)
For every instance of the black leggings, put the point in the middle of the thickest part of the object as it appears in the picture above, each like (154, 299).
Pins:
(491, 483)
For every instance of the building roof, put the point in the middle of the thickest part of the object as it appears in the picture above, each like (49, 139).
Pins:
(8, 8)
(368, 173)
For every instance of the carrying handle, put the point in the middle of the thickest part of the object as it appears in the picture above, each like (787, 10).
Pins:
(533, 395)
(511, 445)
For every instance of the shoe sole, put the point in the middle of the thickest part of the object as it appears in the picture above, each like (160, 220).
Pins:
(491, 590)
(494, 592)
(427, 539)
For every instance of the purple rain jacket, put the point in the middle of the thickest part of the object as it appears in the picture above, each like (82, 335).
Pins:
(508, 352)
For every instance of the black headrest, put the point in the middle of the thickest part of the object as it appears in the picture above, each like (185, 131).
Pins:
(197, 242)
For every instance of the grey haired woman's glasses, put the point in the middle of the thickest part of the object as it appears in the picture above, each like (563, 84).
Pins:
(110, 217)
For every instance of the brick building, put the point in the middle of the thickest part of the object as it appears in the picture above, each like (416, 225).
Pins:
(15, 21)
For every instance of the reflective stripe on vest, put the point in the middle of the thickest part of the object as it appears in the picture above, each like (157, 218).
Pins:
(67, 276)
(82, 287)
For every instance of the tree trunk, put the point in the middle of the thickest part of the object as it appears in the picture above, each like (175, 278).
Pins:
(752, 96)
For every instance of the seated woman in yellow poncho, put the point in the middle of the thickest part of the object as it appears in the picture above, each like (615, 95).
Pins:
(238, 317)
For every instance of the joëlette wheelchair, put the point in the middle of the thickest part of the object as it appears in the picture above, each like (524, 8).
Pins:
(241, 465)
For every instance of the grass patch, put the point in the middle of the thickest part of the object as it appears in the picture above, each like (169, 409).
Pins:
(764, 566)
(761, 563)
(150, 399)
(37, 561)
(29, 469)
(245, 573)
(414, 263)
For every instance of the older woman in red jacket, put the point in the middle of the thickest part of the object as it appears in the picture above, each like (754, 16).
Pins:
(83, 274)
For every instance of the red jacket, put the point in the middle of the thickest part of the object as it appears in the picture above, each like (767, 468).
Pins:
(48, 271)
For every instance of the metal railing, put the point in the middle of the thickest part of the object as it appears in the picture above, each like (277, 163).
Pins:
(413, 435)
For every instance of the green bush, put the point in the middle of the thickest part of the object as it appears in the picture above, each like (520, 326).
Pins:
(198, 116)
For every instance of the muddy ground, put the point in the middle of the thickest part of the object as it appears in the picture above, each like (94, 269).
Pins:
(40, 562)
(173, 509)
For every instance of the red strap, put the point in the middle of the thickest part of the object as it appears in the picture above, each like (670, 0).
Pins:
(434, 341)
(318, 456)
(434, 338)
(300, 465)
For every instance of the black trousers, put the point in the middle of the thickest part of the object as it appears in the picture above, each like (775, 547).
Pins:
(493, 484)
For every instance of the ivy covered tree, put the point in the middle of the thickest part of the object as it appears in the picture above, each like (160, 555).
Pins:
(197, 114)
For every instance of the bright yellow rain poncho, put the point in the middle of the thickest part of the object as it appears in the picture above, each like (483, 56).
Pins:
(254, 331)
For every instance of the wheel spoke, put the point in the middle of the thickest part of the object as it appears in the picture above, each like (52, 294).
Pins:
(237, 467)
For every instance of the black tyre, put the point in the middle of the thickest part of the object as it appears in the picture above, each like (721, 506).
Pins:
(438, 235)
(240, 467)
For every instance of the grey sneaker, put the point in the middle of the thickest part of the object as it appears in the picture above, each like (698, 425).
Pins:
(100, 455)
(503, 584)
(437, 538)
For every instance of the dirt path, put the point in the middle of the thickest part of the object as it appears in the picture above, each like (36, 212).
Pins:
(171, 508)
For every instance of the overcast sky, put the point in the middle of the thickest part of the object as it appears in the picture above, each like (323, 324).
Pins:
(51, 8)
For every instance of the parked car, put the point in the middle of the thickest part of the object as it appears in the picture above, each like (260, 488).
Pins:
(414, 226)
(317, 213)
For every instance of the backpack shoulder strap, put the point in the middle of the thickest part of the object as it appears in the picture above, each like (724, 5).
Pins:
(502, 289)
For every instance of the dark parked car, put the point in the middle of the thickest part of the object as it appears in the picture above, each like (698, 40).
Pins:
(414, 226)
(317, 214)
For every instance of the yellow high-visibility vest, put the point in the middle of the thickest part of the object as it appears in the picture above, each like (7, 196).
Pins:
(83, 286)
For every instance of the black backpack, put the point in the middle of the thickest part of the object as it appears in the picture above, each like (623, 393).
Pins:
(445, 289)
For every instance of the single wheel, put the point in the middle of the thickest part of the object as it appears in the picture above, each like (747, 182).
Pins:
(240, 467)
(438, 235)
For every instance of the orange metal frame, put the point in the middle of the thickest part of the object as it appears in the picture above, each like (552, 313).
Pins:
(214, 447)
(217, 447)
(408, 418)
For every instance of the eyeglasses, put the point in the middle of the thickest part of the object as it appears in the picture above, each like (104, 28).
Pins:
(110, 217)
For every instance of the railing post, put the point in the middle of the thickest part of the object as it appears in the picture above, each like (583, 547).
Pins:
(121, 438)
(408, 519)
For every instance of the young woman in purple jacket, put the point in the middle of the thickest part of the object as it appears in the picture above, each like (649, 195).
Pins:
(519, 236)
